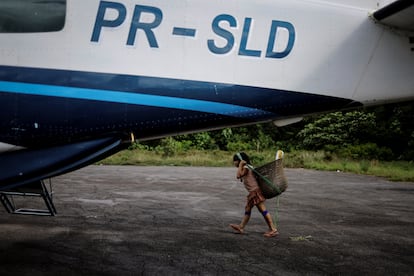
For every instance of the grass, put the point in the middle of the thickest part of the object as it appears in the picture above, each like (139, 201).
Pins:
(300, 238)
(394, 170)
(187, 158)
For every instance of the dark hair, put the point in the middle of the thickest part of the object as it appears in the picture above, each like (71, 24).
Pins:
(243, 156)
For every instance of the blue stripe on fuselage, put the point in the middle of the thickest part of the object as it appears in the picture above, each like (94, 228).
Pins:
(131, 98)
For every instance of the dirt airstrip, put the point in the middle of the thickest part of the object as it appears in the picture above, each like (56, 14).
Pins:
(125, 220)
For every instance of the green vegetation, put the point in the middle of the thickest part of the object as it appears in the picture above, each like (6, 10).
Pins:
(301, 238)
(141, 157)
(319, 160)
(375, 142)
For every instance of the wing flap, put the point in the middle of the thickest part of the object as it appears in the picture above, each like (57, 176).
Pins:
(398, 14)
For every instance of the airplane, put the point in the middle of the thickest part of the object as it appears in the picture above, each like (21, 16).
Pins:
(80, 80)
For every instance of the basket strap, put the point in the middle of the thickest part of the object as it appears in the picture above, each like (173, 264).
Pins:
(276, 213)
(268, 182)
(239, 156)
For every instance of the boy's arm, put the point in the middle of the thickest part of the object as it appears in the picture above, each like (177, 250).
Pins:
(242, 170)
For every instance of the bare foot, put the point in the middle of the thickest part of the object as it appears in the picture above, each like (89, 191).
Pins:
(272, 233)
(237, 228)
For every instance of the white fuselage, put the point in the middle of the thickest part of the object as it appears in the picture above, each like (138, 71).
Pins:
(337, 49)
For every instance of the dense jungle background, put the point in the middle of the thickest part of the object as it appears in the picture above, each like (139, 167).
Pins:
(364, 138)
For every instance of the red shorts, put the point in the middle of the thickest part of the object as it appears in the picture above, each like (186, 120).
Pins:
(254, 197)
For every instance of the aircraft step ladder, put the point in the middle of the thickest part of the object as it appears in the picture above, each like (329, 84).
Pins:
(35, 189)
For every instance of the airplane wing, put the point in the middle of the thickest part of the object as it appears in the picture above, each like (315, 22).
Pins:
(398, 14)
(27, 166)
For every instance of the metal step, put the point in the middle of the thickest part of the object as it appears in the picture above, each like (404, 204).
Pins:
(34, 189)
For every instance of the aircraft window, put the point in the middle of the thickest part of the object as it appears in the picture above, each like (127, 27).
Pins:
(32, 16)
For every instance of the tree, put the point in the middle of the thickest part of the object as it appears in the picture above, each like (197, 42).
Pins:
(383, 132)
(338, 129)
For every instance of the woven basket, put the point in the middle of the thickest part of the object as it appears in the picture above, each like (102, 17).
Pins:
(273, 171)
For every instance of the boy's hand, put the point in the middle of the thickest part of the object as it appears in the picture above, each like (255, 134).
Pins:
(242, 163)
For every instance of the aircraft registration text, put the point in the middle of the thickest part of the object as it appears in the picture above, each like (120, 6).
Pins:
(218, 27)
